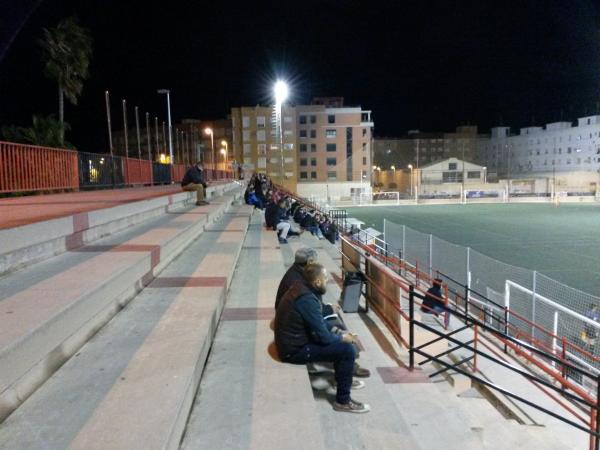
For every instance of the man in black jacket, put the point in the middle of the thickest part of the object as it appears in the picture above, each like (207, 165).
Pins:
(301, 335)
(295, 274)
(193, 180)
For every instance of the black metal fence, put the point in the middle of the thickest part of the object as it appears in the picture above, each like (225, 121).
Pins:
(161, 173)
(97, 170)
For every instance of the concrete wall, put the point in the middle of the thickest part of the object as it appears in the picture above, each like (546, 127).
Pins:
(333, 190)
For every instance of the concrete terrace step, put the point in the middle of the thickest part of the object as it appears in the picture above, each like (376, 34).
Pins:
(246, 398)
(23, 245)
(44, 322)
(132, 385)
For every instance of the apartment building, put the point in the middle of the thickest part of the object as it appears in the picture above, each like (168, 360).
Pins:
(327, 146)
(257, 143)
(202, 144)
(421, 148)
(557, 147)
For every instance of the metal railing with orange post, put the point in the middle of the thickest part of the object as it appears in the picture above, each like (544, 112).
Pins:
(26, 168)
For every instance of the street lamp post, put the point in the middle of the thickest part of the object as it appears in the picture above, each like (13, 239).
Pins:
(485, 175)
(281, 93)
(226, 145)
(125, 128)
(166, 91)
(210, 132)
(410, 166)
(110, 142)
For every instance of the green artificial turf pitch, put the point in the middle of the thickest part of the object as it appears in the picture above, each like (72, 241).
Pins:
(562, 243)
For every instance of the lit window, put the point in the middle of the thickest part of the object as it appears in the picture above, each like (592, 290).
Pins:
(245, 121)
(331, 133)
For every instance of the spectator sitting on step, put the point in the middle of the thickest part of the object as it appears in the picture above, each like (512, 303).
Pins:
(303, 257)
(282, 224)
(590, 332)
(194, 180)
(270, 211)
(434, 303)
(301, 336)
(300, 214)
(328, 230)
(253, 199)
(309, 223)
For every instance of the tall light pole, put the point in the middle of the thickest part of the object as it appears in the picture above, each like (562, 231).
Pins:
(137, 127)
(110, 142)
(224, 144)
(166, 91)
(281, 92)
(148, 136)
(209, 131)
(410, 166)
(125, 128)
(156, 135)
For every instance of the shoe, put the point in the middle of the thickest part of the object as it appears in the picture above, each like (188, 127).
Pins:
(283, 241)
(352, 407)
(361, 372)
(356, 385)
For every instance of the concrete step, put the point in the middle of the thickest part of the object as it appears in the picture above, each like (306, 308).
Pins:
(132, 385)
(44, 323)
(247, 399)
(24, 245)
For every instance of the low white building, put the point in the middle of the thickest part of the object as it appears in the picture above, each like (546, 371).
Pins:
(452, 170)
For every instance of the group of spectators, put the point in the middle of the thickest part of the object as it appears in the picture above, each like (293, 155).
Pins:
(280, 210)
(309, 331)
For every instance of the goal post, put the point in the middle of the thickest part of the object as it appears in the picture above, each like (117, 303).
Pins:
(386, 197)
(484, 195)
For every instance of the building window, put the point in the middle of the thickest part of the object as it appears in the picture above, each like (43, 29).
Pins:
(313, 148)
(288, 146)
(313, 175)
(302, 147)
(245, 121)
(303, 162)
(260, 121)
(313, 119)
(287, 119)
(260, 135)
(452, 177)
(364, 132)
(569, 150)
(303, 175)
(331, 118)
(331, 175)
(247, 149)
(364, 146)
(331, 147)
(302, 133)
(302, 120)
(452, 166)
(262, 149)
(364, 160)
(331, 161)
(261, 163)
(246, 135)
(313, 162)
(313, 133)
(330, 133)
(474, 174)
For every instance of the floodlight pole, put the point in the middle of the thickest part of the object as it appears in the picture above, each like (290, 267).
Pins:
(168, 92)
(110, 142)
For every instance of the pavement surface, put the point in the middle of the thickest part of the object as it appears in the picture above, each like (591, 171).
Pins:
(18, 211)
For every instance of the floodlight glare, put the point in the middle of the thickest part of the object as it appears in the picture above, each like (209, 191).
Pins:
(208, 130)
(281, 91)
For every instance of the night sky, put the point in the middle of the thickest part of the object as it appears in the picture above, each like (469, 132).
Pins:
(426, 65)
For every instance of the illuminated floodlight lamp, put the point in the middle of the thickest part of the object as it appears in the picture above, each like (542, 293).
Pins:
(281, 91)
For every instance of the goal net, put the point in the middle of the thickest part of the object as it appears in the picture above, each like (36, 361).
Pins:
(485, 195)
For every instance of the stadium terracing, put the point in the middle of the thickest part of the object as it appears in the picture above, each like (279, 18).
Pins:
(132, 318)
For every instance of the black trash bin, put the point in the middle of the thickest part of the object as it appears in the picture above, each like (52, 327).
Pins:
(351, 291)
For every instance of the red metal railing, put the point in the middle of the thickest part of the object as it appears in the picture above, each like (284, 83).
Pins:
(137, 171)
(33, 168)
(177, 172)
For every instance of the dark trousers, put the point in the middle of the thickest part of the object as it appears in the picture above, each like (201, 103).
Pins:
(341, 354)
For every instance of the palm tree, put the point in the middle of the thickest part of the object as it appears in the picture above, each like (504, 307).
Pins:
(67, 50)
(45, 131)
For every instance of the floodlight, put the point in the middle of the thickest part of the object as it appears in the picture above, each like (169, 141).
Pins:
(281, 91)
(208, 130)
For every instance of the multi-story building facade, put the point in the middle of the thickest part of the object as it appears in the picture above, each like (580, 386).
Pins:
(327, 147)
(557, 147)
(203, 145)
(257, 143)
(420, 148)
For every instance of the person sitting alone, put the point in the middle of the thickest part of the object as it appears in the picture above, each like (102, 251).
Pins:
(301, 335)
(193, 180)
(434, 303)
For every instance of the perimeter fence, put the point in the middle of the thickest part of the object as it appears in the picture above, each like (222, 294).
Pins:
(538, 309)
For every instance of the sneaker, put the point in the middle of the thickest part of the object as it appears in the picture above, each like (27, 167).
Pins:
(361, 372)
(352, 407)
(356, 385)
(283, 241)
